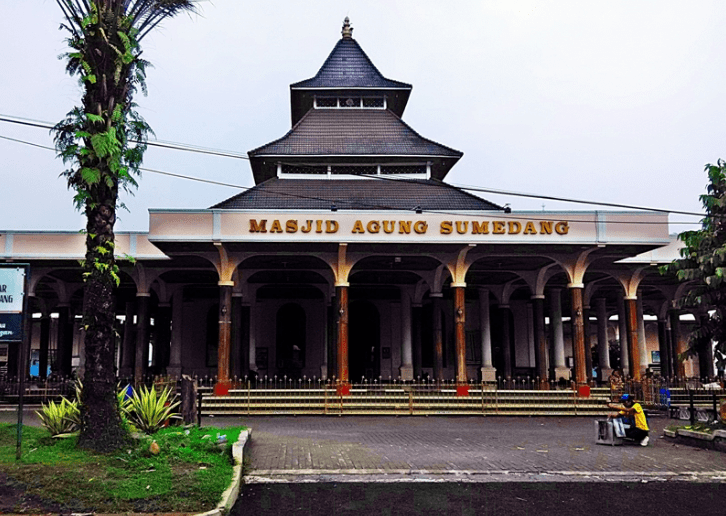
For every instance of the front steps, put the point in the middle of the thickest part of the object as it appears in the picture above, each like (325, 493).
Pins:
(399, 400)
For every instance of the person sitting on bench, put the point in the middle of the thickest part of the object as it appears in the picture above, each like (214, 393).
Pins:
(629, 408)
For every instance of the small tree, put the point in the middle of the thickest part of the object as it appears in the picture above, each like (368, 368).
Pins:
(104, 141)
(703, 265)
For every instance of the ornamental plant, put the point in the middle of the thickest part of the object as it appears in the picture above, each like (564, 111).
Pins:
(60, 419)
(148, 410)
(103, 141)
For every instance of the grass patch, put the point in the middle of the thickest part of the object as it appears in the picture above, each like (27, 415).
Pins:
(189, 475)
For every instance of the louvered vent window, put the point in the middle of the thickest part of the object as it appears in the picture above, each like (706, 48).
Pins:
(327, 102)
(373, 102)
(352, 102)
(354, 170)
(304, 169)
(403, 169)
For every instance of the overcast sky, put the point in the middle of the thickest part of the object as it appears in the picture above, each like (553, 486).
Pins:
(617, 101)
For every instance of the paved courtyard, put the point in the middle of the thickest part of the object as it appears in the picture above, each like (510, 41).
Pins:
(319, 448)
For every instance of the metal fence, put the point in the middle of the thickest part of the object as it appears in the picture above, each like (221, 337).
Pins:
(686, 398)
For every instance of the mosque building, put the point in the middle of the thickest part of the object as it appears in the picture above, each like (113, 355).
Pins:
(353, 258)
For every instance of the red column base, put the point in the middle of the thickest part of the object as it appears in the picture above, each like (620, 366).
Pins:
(222, 388)
(343, 389)
(583, 391)
(462, 390)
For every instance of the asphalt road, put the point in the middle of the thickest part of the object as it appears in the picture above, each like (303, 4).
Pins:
(499, 499)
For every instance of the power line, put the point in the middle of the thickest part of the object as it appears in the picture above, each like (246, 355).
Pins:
(154, 143)
(344, 201)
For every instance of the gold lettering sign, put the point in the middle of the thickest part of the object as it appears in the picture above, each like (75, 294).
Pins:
(406, 227)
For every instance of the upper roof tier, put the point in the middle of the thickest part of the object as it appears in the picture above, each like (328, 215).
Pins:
(347, 68)
(353, 136)
(366, 194)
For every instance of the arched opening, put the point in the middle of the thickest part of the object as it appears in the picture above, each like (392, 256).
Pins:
(290, 340)
(364, 340)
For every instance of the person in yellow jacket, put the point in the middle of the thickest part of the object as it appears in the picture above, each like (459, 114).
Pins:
(630, 408)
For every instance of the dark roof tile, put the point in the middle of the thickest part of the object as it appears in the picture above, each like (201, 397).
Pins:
(355, 194)
(348, 66)
(352, 132)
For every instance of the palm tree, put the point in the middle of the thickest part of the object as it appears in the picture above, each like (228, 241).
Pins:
(103, 140)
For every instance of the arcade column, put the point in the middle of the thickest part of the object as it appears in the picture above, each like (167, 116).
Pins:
(540, 338)
(406, 369)
(177, 326)
(225, 337)
(341, 295)
(631, 309)
(460, 332)
(438, 337)
(64, 339)
(560, 369)
(603, 349)
(623, 337)
(664, 348)
(506, 316)
(142, 334)
(578, 332)
(488, 372)
(44, 344)
(679, 344)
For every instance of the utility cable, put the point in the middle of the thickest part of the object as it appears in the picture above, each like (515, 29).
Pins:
(384, 207)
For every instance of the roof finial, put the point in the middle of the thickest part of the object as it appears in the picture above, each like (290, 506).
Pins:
(347, 29)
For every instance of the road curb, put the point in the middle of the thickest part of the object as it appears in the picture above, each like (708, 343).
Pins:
(229, 497)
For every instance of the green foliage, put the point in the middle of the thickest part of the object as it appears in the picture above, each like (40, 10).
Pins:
(702, 266)
(189, 475)
(148, 410)
(103, 141)
(60, 419)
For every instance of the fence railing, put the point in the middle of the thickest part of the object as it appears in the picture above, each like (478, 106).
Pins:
(696, 398)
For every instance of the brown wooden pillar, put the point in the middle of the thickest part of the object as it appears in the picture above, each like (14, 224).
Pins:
(678, 344)
(588, 342)
(631, 309)
(128, 346)
(438, 338)
(663, 348)
(64, 340)
(236, 342)
(540, 338)
(460, 332)
(505, 316)
(225, 337)
(705, 352)
(332, 334)
(578, 334)
(44, 345)
(341, 295)
(162, 340)
(142, 335)
(416, 318)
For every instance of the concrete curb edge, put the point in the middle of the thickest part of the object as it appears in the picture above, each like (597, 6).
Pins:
(229, 497)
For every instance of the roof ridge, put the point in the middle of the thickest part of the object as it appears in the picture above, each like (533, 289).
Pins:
(249, 153)
(423, 137)
(455, 153)
(461, 190)
(243, 193)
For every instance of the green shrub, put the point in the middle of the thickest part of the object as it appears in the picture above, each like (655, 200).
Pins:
(60, 418)
(148, 410)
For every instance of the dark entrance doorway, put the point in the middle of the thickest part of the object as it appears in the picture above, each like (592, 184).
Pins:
(364, 340)
(290, 340)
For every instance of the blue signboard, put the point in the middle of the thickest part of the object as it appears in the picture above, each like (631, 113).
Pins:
(10, 327)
